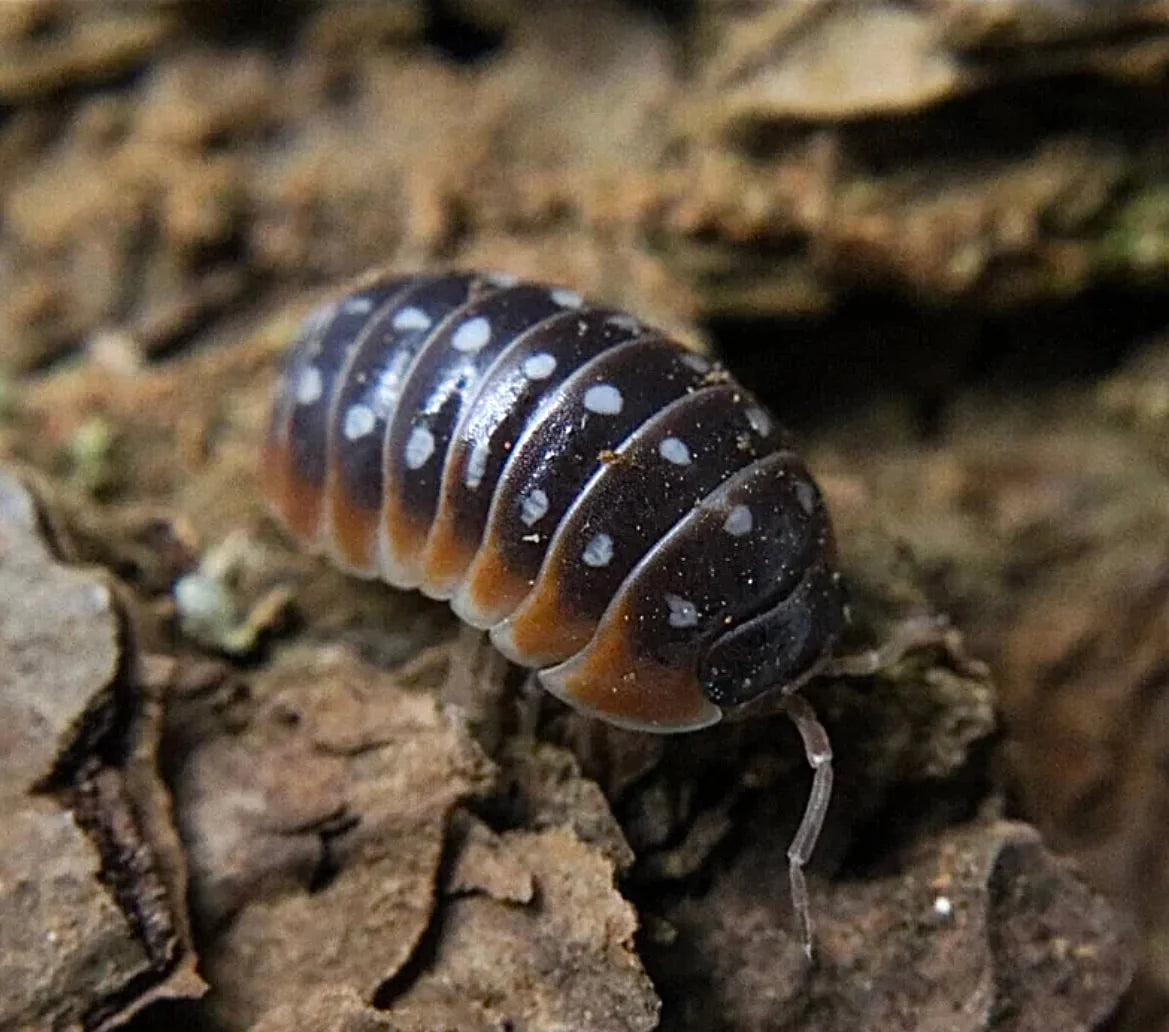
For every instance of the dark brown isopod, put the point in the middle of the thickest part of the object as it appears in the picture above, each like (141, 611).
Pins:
(620, 516)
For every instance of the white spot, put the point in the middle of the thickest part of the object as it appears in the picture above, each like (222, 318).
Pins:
(696, 362)
(357, 306)
(309, 386)
(673, 449)
(539, 367)
(683, 612)
(476, 464)
(599, 551)
(318, 318)
(501, 279)
(533, 507)
(760, 421)
(806, 496)
(410, 318)
(943, 906)
(739, 521)
(604, 399)
(419, 447)
(389, 384)
(472, 336)
(359, 421)
(566, 298)
(624, 322)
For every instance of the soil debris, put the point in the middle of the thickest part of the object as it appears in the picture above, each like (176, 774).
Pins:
(93, 923)
(979, 928)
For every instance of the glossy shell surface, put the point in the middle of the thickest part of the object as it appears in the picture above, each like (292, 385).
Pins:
(615, 510)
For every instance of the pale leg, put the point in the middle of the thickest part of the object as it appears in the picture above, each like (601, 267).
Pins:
(914, 632)
(819, 752)
(529, 703)
(475, 683)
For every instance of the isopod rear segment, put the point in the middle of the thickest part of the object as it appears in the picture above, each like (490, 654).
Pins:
(618, 513)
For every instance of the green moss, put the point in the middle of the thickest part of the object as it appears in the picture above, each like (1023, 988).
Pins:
(1139, 237)
(92, 456)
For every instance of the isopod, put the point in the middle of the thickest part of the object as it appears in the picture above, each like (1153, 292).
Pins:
(618, 513)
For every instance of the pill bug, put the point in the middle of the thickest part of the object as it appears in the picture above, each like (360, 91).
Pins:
(617, 512)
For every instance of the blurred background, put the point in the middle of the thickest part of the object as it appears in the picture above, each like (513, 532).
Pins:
(932, 234)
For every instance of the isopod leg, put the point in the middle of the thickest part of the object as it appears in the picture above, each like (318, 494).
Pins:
(819, 752)
(914, 632)
(529, 703)
(475, 683)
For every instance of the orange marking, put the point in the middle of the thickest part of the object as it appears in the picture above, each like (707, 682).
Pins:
(353, 529)
(296, 501)
(405, 540)
(446, 556)
(542, 631)
(273, 466)
(494, 590)
(300, 505)
(607, 679)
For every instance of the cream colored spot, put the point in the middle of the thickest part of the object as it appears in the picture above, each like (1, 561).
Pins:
(566, 298)
(472, 336)
(674, 449)
(739, 521)
(309, 386)
(683, 612)
(533, 507)
(318, 318)
(389, 384)
(599, 551)
(604, 399)
(477, 464)
(410, 318)
(357, 306)
(419, 447)
(624, 322)
(760, 421)
(806, 495)
(539, 367)
(359, 421)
